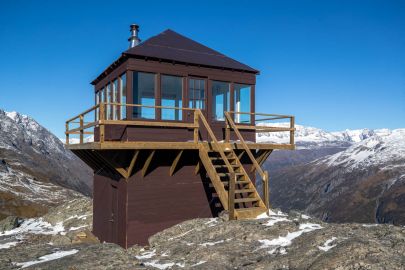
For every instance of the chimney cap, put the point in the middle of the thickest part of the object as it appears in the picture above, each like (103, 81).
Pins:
(134, 39)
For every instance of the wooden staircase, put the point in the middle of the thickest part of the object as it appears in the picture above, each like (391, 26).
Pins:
(235, 189)
(245, 201)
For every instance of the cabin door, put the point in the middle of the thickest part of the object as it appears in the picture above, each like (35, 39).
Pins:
(114, 215)
(197, 99)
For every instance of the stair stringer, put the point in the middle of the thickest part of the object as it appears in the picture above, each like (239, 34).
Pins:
(215, 179)
(251, 185)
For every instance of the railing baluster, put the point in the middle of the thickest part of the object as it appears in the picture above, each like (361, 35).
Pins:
(81, 129)
(292, 124)
(67, 133)
(102, 116)
(196, 127)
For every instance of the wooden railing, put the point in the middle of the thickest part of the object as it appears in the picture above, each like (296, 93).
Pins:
(102, 117)
(102, 114)
(264, 174)
(259, 118)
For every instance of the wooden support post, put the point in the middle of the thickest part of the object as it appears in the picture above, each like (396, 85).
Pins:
(102, 127)
(196, 127)
(175, 162)
(266, 190)
(231, 196)
(227, 132)
(81, 129)
(147, 163)
(197, 168)
(132, 164)
(292, 124)
(67, 133)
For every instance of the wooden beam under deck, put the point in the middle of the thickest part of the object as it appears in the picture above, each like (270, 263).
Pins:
(173, 145)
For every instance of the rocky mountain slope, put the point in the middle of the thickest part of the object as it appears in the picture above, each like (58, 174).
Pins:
(34, 166)
(62, 240)
(349, 176)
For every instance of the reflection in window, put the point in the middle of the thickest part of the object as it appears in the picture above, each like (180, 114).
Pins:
(98, 100)
(144, 94)
(242, 102)
(220, 97)
(123, 96)
(114, 99)
(108, 101)
(196, 94)
(172, 89)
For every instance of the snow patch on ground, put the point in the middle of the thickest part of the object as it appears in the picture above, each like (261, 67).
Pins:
(8, 245)
(49, 257)
(284, 241)
(327, 245)
(146, 255)
(36, 226)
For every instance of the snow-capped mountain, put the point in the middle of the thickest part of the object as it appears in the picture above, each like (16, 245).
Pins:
(311, 137)
(352, 175)
(34, 167)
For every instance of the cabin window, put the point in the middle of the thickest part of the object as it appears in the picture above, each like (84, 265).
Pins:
(114, 98)
(172, 96)
(196, 94)
(242, 102)
(220, 97)
(108, 94)
(123, 96)
(144, 94)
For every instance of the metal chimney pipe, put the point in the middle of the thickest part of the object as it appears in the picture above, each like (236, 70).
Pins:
(134, 39)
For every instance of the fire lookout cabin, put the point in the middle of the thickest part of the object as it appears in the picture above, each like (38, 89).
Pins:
(174, 126)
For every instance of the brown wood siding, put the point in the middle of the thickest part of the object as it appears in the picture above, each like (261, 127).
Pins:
(103, 194)
(165, 134)
(158, 201)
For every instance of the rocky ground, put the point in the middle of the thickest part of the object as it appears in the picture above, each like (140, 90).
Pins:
(62, 239)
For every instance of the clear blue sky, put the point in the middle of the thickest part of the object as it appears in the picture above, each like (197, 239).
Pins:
(334, 64)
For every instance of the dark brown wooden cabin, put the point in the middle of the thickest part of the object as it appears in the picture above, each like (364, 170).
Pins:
(174, 126)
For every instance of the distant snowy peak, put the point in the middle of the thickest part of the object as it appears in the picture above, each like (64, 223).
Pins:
(385, 148)
(310, 136)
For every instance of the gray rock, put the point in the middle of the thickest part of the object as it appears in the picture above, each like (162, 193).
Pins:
(10, 223)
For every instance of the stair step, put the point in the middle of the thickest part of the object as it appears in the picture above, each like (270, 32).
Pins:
(224, 166)
(246, 190)
(226, 183)
(219, 158)
(251, 212)
(228, 174)
(242, 200)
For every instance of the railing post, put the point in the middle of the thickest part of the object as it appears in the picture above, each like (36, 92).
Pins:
(231, 196)
(81, 129)
(292, 124)
(196, 126)
(227, 130)
(102, 116)
(67, 133)
(266, 189)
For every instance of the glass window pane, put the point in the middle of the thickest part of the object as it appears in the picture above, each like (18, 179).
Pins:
(242, 102)
(144, 94)
(172, 96)
(196, 93)
(108, 101)
(123, 96)
(220, 97)
(114, 99)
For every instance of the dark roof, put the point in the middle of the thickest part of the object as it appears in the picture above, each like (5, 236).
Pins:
(173, 47)
(170, 45)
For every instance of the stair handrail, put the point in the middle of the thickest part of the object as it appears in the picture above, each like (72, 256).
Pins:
(264, 174)
(200, 115)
